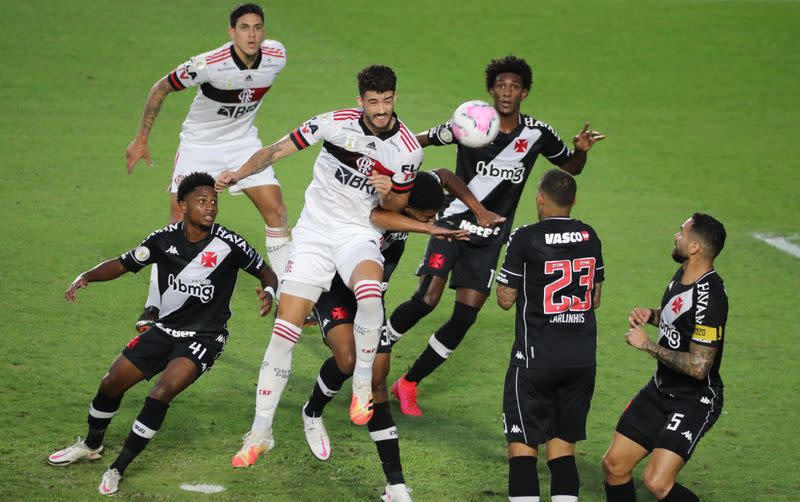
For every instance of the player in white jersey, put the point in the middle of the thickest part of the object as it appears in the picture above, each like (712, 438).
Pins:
(334, 234)
(218, 132)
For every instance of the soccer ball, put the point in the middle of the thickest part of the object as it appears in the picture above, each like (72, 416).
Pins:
(475, 124)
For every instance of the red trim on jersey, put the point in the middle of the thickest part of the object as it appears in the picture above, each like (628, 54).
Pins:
(175, 82)
(224, 50)
(408, 139)
(299, 140)
(258, 93)
(348, 114)
(268, 51)
(219, 56)
(377, 166)
(402, 188)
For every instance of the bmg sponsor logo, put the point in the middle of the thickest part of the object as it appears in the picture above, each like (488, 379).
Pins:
(203, 290)
(511, 171)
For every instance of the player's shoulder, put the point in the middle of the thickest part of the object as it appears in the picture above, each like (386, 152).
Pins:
(345, 114)
(534, 123)
(215, 56)
(273, 48)
(711, 282)
(585, 226)
(409, 140)
(233, 239)
(164, 231)
(523, 232)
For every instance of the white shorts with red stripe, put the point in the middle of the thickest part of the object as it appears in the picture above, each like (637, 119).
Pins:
(317, 255)
(215, 158)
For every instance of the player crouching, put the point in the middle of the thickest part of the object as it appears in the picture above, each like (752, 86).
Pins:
(198, 262)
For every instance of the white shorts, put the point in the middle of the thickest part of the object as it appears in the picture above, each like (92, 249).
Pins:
(317, 255)
(213, 159)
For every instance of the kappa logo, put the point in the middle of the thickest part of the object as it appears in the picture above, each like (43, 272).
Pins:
(705, 400)
(520, 355)
(220, 339)
(171, 250)
(687, 435)
(515, 429)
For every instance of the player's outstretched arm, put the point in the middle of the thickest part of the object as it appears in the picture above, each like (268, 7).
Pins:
(506, 296)
(456, 187)
(396, 222)
(138, 147)
(257, 162)
(696, 363)
(106, 271)
(582, 142)
(266, 293)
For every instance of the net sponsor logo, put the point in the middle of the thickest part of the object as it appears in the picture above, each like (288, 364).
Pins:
(479, 230)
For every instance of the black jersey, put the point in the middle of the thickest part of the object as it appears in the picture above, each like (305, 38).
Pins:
(692, 313)
(196, 279)
(392, 247)
(497, 173)
(554, 265)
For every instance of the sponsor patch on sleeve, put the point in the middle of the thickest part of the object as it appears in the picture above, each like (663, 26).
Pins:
(706, 334)
(141, 254)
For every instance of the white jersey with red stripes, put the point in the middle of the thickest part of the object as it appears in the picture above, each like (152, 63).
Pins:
(339, 198)
(229, 94)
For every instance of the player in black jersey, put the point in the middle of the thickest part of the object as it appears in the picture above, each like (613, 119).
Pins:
(336, 311)
(683, 400)
(497, 174)
(553, 271)
(198, 262)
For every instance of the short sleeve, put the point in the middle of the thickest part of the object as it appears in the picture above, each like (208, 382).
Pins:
(711, 312)
(553, 148)
(510, 274)
(403, 177)
(599, 270)
(142, 255)
(189, 74)
(312, 131)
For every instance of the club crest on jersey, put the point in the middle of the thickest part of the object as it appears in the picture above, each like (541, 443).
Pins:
(209, 259)
(521, 145)
(510, 171)
(246, 95)
(203, 290)
(365, 164)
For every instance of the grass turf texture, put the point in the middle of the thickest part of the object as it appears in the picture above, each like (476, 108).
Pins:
(695, 96)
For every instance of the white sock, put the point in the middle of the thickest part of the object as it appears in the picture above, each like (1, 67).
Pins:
(153, 294)
(367, 327)
(274, 374)
(278, 242)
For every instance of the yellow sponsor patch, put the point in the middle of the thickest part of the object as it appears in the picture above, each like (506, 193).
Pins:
(706, 333)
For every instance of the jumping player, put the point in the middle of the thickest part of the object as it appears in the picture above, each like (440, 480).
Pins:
(553, 271)
(496, 174)
(334, 234)
(219, 131)
(198, 265)
(683, 400)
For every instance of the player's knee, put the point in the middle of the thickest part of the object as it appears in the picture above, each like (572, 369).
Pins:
(111, 386)
(430, 296)
(658, 483)
(165, 392)
(275, 215)
(613, 468)
(345, 361)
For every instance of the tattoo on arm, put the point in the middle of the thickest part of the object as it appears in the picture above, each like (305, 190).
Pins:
(268, 156)
(656, 317)
(696, 363)
(155, 99)
(506, 296)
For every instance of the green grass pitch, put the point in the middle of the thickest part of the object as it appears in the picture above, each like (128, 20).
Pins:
(699, 99)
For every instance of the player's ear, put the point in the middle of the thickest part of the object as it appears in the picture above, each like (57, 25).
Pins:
(360, 101)
(539, 199)
(231, 32)
(525, 93)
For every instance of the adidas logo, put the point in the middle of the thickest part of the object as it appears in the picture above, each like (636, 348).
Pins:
(519, 355)
(515, 429)
(172, 250)
(248, 78)
(687, 435)
(371, 145)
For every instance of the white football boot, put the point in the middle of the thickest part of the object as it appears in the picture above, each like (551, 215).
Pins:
(78, 451)
(316, 435)
(396, 493)
(109, 485)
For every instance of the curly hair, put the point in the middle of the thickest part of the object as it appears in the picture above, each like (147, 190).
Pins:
(376, 78)
(509, 64)
(192, 181)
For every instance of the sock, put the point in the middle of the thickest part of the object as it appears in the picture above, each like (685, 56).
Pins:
(278, 242)
(329, 382)
(153, 294)
(383, 431)
(564, 480)
(523, 480)
(621, 493)
(408, 314)
(443, 342)
(144, 428)
(367, 328)
(680, 493)
(275, 370)
(101, 411)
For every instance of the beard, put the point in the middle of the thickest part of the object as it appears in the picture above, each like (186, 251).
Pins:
(677, 256)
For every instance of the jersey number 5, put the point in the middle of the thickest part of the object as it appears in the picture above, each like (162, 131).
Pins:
(567, 268)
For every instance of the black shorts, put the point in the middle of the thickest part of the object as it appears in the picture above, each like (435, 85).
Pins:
(338, 306)
(540, 404)
(655, 420)
(472, 266)
(153, 350)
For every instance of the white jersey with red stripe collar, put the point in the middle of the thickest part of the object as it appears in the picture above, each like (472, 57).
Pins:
(229, 93)
(339, 196)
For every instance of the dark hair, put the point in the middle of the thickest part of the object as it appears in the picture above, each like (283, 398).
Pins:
(245, 8)
(559, 186)
(426, 193)
(509, 64)
(710, 231)
(376, 78)
(192, 181)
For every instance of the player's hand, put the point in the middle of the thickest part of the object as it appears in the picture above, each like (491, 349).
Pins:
(136, 151)
(489, 219)
(381, 183)
(639, 316)
(71, 294)
(460, 234)
(637, 338)
(226, 179)
(584, 140)
(266, 301)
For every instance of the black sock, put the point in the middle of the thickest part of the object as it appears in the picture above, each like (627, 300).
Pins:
(408, 314)
(564, 479)
(443, 342)
(382, 430)
(680, 493)
(523, 480)
(332, 378)
(101, 412)
(621, 493)
(144, 428)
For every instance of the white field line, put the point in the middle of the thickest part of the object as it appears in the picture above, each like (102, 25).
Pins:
(781, 242)
(203, 488)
